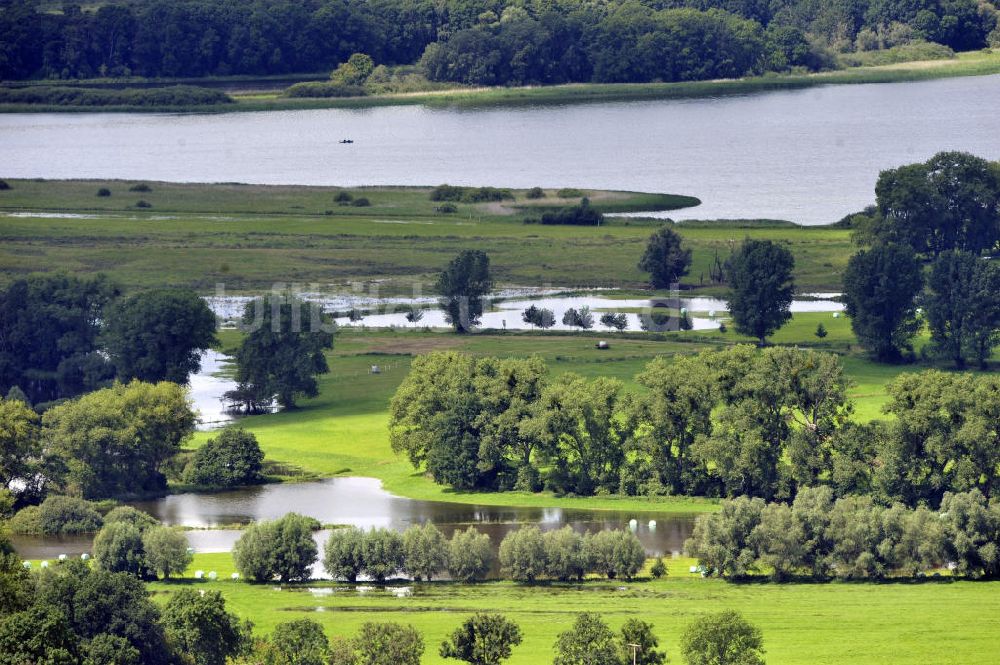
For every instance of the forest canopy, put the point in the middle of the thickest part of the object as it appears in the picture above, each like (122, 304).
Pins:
(471, 41)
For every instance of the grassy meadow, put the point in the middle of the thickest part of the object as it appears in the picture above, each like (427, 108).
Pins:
(249, 237)
(940, 621)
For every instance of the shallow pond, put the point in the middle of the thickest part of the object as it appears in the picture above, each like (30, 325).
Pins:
(705, 313)
(363, 503)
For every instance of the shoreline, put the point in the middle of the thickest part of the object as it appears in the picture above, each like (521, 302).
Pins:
(979, 63)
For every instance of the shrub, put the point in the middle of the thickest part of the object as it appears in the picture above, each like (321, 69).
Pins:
(166, 550)
(4, 185)
(470, 555)
(143, 204)
(659, 569)
(343, 197)
(581, 215)
(231, 459)
(56, 515)
(26, 520)
(569, 193)
(140, 187)
(282, 548)
(132, 516)
(446, 208)
(323, 89)
(535, 193)
(470, 194)
(168, 96)
(343, 554)
(382, 554)
(118, 548)
(361, 202)
(522, 554)
(104, 191)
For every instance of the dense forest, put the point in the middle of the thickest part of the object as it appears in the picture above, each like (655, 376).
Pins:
(473, 41)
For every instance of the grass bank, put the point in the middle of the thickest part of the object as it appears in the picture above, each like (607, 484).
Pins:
(976, 63)
(943, 622)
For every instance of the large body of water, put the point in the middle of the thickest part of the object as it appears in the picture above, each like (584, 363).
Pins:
(809, 156)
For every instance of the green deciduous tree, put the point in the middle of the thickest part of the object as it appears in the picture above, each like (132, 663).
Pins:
(588, 642)
(388, 644)
(282, 549)
(880, 287)
(725, 638)
(462, 286)
(158, 335)
(565, 556)
(118, 548)
(614, 553)
(282, 352)
(114, 440)
(130, 515)
(482, 639)
(98, 602)
(672, 413)
(301, 642)
(382, 554)
(40, 634)
(637, 637)
(166, 550)
(20, 448)
(963, 308)
(522, 554)
(198, 624)
(49, 327)
(950, 202)
(425, 551)
(761, 287)
(230, 459)
(470, 555)
(665, 259)
(343, 555)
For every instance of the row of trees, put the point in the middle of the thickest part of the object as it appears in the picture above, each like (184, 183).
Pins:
(284, 549)
(944, 212)
(61, 336)
(740, 421)
(852, 537)
(479, 41)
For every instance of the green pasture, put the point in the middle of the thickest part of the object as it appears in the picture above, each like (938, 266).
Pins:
(935, 621)
(344, 431)
(250, 237)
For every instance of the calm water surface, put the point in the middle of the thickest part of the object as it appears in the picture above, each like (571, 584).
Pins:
(809, 156)
(363, 503)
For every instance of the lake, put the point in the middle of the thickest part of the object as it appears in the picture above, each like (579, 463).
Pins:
(809, 156)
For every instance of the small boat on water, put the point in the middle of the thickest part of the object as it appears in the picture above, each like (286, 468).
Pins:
(346, 141)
